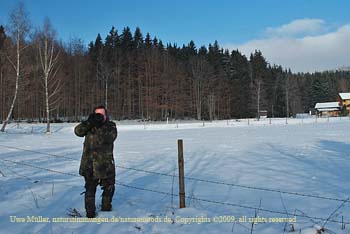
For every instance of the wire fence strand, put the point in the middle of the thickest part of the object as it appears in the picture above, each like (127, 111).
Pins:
(189, 197)
(235, 205)
(197, 179)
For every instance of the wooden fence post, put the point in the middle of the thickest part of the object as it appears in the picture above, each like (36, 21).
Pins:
(181, 174)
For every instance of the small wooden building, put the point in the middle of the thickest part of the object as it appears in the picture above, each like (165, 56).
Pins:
(344, 100)
(331, 109)
(263, 114)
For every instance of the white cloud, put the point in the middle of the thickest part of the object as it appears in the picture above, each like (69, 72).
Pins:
(306, 54)
(298, 27)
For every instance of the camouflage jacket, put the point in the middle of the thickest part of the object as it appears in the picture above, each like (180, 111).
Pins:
(97, 159)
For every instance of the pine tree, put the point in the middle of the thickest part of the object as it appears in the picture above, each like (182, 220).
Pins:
(320, 90)
(2, 37)
(138, 39)
(240, 87)
(259, 78)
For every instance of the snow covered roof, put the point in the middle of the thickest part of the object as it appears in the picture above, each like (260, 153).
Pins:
(344, 96)
(327, 105)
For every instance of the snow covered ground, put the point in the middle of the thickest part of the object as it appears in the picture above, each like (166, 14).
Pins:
(266, 165)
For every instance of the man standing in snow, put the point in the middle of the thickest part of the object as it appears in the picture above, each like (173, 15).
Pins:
(97, 161)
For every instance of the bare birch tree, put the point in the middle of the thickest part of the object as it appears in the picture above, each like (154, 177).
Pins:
(199, 70)
(18, 28)
(211, 106)
(258, 94)
(104, 73)
(48, 55)
(287, 96)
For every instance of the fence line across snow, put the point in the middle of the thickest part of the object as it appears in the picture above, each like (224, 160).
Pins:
(193, 198)
(196, 179)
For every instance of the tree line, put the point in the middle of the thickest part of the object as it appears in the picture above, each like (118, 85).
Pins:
(137, 76)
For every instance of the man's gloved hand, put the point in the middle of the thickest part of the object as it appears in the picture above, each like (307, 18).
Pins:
(95, 119)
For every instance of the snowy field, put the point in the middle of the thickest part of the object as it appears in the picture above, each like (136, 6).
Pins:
(235, 169)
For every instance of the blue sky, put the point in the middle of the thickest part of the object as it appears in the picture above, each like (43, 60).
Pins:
(234, 23)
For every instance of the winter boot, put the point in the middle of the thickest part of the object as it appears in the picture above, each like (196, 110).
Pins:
(90, 214)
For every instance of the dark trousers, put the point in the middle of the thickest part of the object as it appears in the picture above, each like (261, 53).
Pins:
(107, 195)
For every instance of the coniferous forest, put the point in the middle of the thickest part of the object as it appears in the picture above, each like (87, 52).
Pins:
(138, 76)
